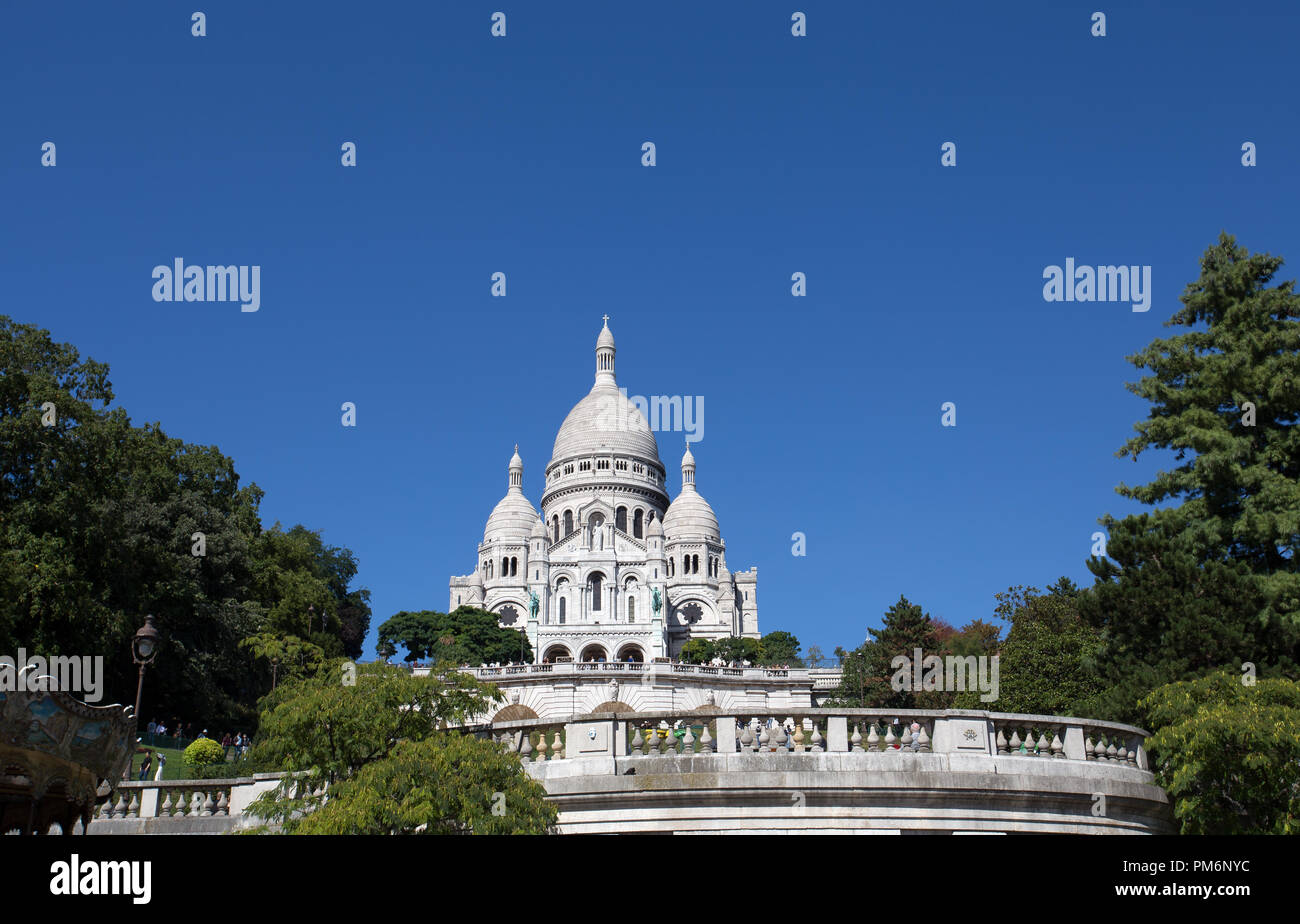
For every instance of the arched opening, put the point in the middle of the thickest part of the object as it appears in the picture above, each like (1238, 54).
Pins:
(620, 519)
(631, 653)
(568, 522)
(613, 705)
(555, 522)
(631, 609)
(638, 524)
(596, 585)
(513, 712)
(594, 653)
(556, 653)
(562, 598)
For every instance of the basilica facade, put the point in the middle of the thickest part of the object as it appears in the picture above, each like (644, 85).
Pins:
(610, 569)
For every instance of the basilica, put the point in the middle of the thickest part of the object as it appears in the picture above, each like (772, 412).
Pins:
(609, 570)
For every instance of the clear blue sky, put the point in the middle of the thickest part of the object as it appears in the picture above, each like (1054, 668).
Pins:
(775, 155)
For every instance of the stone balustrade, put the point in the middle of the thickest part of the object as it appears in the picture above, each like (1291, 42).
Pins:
(839, 770)
(844, 731)
(181, 806)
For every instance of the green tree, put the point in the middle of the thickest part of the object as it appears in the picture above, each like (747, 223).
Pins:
(869, 669)
(449, 783)
(466, 635)
(1211, 577)
(1044, 663)
(102, 522)
(779, 647)
(324, 732)
(735, 649)
(697, 651)
(1228, 753)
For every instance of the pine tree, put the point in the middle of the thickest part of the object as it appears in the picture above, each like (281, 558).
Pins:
(868, 670)
(1209, 579)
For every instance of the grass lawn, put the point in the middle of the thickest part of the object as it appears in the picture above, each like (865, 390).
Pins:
(174, 769)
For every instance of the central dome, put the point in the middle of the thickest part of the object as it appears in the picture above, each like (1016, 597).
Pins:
(605, 422)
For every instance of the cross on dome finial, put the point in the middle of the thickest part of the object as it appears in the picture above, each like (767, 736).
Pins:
(605, 318)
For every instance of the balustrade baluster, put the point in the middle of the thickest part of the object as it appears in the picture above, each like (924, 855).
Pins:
(798, 737)
(526, 747)
(541, 745)
(747, 739)
(818, 743)
(688, 740)
(637, 740)
(1058, 749)
(855, 742)
(890, 738)
(1043, 747)
(557, 746)
(706, 740)
(923, 739)
(1003, 747)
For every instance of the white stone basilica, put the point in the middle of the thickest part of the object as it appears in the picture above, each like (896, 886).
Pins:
(610, 570)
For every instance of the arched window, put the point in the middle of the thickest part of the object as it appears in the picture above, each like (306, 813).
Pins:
(631, 609)
(695, 564)
(514, 566)
(562, 608)
(568, 522)
(595, 592)
(638, 522)
(671, 566)
(505, 567)
(620, 519)
(555, 520)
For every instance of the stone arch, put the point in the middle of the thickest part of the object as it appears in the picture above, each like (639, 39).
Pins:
(513, 712)
(594, 652)
(613, 705)
(554, 652)
(635, 651)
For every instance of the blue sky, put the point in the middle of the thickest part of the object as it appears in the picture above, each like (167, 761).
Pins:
(775, 155)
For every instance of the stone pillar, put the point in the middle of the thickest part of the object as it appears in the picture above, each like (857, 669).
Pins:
(837, 734)
(1073, 742)
(726, 738)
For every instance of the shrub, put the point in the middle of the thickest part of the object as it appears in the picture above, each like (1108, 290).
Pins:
(202, 752)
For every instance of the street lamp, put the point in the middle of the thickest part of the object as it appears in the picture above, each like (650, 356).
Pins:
(144, 648)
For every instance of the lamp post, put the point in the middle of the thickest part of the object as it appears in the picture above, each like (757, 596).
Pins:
(144, 648)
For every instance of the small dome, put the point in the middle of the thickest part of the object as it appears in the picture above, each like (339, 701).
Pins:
(691, 517)
(539, 530)
(606, 338)
(655, 528)
(512, 518)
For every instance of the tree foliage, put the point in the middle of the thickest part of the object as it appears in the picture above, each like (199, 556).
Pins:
(382, 751)
(1229, 753)
(779, 647)
(99, 524)
(1211, 577)
(466, 635)
(449, 783)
